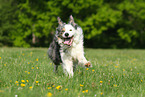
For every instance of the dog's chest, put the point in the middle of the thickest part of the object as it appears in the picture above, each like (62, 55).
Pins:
(72, 52)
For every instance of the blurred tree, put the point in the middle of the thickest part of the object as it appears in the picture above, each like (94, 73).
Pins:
(106, 23)
(7, 19)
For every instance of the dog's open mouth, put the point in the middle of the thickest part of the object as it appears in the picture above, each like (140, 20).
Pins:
(68, 41)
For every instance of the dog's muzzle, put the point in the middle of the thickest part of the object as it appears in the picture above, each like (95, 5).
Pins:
(68, 41)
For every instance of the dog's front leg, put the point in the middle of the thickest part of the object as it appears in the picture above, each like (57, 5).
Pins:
(67, 64)
(83, 61)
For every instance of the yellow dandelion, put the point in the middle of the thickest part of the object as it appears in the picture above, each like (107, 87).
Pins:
(22, 81)
(4, 64)
(141, 80)
(93, 70)
(101, 81)
(28, 72)
(123, 69)
(16, 82)
(25, 71)
(81, 85)
(58, 87)
(115, 85)
(134, 59)
(137, 73)
(116, 66)
(37, 67)
(23, 54)
(83, 91)
(87, 68)
(32, 67)
(101, 93)
(22, 85)
(37, 59)
(66, 89)
(1, 91)
(27, 80)
(30, 87)
(0, 57)
(49, 94)
(53, 86)
(31, 53)
(28, 62)
(49, 87)
(86, 91)
(37, 82)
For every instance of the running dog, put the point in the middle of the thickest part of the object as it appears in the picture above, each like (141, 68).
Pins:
(67, 47)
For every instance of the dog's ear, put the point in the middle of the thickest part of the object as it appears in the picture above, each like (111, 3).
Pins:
(59, 21)
(71, 21)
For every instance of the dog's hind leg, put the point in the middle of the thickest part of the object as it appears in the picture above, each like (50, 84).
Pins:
(74, 65)
(55, 68)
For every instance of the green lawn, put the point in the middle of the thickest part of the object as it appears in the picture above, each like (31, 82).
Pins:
(29, 73)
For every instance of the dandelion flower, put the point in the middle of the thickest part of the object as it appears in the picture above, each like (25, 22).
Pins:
(86, 91)
(115, 85)
(1, 91)
(28, 72)
(0, 57)
(101, 81)
(58, 87)
(22, 85)
(123, 69)
(22, 81)
(49, 94)
(28, 62)
(16, 82)
(93, 70)
(37, 82)
(141, 80)
(87, 68)
(81, 85)
(30, 87)
(83, 91)
(27, 80)
(4, 64)
(37, 59)
(25, 71)
(101, 93)
(32, 67)
(116, 66)
(49, 87)
(66, 89)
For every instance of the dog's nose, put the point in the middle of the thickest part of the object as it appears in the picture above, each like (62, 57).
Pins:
(66, 34)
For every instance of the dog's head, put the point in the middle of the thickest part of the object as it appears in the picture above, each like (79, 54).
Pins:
(66, 31)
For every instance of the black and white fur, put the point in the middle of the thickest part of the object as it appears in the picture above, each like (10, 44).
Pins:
(67, 47)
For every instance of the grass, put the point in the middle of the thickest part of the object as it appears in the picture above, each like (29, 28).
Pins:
(29, 73)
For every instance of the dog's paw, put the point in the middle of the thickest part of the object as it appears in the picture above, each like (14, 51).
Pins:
(88, 64)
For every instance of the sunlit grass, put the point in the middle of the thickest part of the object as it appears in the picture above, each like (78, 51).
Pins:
(29, 73)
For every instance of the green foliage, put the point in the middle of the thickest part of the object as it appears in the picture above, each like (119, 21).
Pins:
(113, 24)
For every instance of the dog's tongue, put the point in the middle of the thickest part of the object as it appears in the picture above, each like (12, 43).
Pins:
(68, 41)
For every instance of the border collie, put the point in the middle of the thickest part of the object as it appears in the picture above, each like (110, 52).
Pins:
(67, 47)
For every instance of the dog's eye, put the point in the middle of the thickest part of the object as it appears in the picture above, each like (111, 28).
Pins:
(63, 30)
(70, 30)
